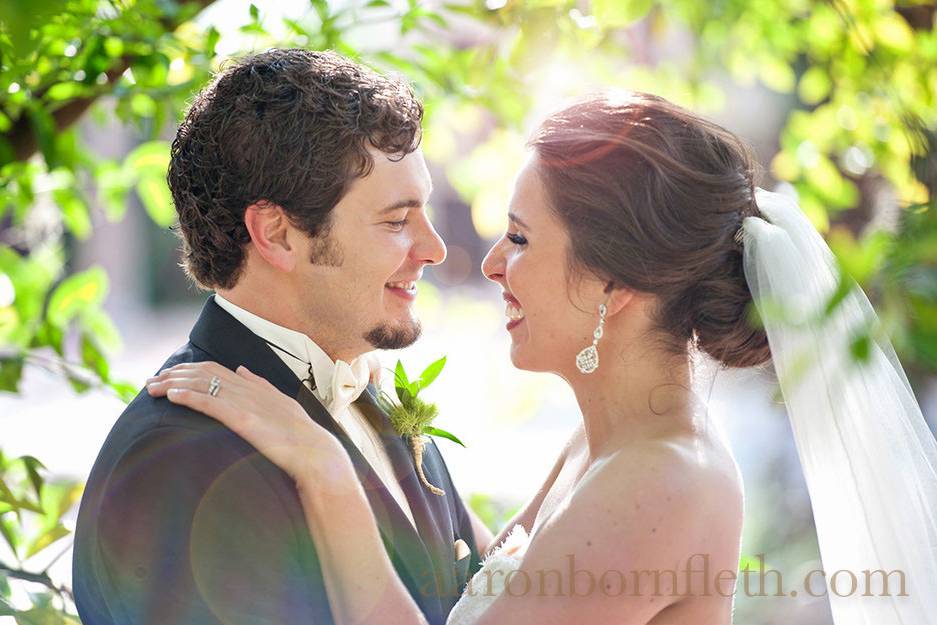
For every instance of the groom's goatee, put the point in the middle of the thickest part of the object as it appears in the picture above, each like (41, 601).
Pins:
(386, 337)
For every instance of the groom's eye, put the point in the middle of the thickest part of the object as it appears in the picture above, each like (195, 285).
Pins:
(398, 225)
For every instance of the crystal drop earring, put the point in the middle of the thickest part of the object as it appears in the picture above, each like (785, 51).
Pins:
(587, 360)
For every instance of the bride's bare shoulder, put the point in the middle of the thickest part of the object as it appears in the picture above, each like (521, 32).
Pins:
(684, 485)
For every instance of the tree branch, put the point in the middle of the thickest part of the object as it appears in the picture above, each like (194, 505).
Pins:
(22, 135)
(37, 578)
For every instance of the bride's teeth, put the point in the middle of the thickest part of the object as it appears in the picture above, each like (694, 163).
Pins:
(513, 312)
(406, 286)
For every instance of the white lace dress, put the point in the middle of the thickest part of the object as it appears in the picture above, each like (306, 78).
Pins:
(486, 586)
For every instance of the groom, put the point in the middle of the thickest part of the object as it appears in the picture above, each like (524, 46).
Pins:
(301, 197)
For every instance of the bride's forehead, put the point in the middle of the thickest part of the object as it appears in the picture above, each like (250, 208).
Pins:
(530, 194)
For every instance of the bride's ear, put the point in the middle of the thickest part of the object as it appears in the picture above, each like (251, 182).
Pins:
(618, 298)
(270, 230)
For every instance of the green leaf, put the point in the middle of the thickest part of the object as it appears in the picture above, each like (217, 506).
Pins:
(157, 200)
(11, 370)
(44, 125)
(431, 373)
(75, 294)
(777, 74)
(16, 503)
(46, 538)
(11, 535)
(400, 375)
(6, 609)
(79, 383)
(126, 391)
(211, 40)
(114, 182)
(861, 348)
(143, 105)
(33, 465)
(443, 433)
(93, 358)
(99, 325)
(843, 288)
(814, 85)
(151, 158)
(74, 212)
(404, 394)
(894, 32)
(49, 334)
(616, 13)
(65, 91)
(58, 499)
(114, 47)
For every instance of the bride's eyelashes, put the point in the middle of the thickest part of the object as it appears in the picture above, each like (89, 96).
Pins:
(516, 238)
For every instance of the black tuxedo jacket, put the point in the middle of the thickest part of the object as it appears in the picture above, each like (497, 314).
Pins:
(184, 522)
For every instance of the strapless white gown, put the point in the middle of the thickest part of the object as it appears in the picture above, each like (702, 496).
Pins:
(486, 586)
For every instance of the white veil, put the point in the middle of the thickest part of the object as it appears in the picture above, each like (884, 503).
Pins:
(869, 459)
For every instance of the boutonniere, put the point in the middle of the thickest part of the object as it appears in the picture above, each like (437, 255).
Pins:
(412, 417)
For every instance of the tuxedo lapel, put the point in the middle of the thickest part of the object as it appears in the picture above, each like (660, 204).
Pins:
(430, 512)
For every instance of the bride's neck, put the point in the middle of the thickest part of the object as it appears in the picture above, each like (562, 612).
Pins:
(634, 395)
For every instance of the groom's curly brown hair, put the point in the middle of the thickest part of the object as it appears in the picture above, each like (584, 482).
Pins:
(287, 127)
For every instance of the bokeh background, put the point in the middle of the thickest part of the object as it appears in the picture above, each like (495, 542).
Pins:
(837, 98)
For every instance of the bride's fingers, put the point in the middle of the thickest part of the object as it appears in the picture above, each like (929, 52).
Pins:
(202, 385)
(202, 370)
(158, 388)
(247, 374)
(223, 411)
(207, 367)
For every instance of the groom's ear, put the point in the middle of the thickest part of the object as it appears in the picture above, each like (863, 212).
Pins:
(270, 232)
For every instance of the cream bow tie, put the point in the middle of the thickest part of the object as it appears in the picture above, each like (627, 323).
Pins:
(348, 382)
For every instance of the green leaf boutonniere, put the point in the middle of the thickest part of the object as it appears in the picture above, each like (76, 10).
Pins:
(412, 417)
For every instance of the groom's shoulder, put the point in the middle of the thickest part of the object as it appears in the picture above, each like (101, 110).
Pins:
(148, 418)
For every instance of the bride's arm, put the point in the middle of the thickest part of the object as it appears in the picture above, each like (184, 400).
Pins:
(360, 580)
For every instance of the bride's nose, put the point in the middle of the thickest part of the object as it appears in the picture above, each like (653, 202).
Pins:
(493, 264)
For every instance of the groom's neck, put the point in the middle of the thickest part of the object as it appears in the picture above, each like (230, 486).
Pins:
(278, 308)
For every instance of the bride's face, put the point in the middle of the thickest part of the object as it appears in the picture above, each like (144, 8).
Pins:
(550, 317)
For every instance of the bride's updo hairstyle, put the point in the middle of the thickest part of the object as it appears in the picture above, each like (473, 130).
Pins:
(652, 197)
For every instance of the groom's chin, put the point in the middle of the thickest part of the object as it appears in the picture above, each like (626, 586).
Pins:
(386, 336)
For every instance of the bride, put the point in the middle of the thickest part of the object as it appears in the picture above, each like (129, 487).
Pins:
(636, 237)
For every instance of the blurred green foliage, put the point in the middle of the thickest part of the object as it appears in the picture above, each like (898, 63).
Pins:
(860, 77)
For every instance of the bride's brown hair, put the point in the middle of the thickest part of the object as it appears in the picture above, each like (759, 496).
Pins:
(652, 196)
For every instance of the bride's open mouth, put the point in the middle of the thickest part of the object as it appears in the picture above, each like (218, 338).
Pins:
(513, 311)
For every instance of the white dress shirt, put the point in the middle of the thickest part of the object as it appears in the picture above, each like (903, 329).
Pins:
(349, 418)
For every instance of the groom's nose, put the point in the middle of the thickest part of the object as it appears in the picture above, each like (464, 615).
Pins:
(428, 246)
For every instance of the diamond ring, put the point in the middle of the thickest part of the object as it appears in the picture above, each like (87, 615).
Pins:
(214, 386)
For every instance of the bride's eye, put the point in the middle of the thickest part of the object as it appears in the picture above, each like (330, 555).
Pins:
(516, 238)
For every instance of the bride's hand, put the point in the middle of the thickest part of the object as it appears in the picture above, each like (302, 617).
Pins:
(259, 413)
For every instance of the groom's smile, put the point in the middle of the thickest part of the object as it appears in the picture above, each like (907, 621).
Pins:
(405, 289)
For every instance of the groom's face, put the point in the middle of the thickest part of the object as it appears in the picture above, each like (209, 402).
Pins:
(361, 280)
